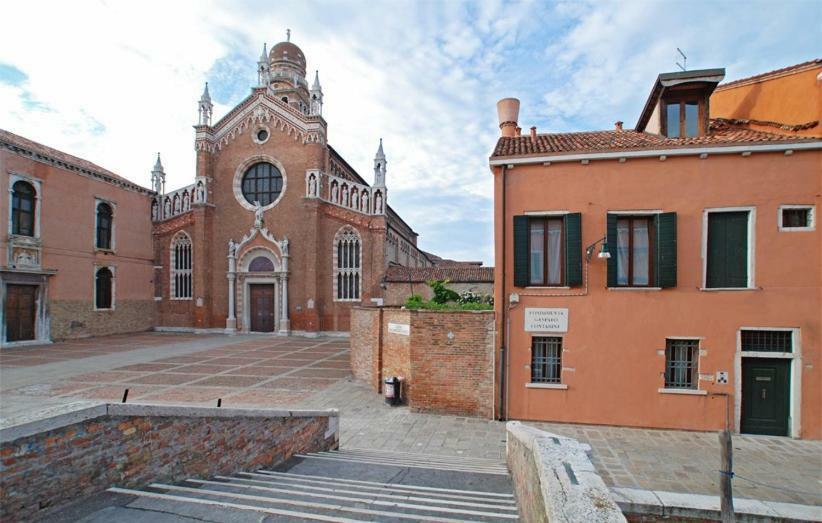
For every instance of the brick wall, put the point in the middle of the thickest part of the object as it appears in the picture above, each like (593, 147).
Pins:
(49, 463)
(445, 374)
(78, 319)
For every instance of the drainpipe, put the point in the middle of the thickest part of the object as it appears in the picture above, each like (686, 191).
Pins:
(504, 323)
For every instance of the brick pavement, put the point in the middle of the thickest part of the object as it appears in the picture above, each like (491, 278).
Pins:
(260, 371)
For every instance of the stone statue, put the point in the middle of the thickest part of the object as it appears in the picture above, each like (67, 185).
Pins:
(284, 246)
(232, 248)
(258, 215)
(312, 186)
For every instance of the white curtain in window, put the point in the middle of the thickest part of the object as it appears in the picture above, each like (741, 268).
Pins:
(641, 244)
(554, 252)
(537, 254)
(623, 258)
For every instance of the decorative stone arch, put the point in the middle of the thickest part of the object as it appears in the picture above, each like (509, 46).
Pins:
(252, 253)
(237, 184)
(347, 264)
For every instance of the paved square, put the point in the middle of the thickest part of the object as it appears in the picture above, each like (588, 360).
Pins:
(266, 371)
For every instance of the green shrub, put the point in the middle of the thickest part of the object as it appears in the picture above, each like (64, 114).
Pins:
(442, 294)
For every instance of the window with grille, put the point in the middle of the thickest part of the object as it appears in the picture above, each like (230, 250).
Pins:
(262, 183)
(103, 288)
(796, 217)
(767, 341)
(546, 359)
(104, 225)
(347, 266)
(182, 285)
(681, 358)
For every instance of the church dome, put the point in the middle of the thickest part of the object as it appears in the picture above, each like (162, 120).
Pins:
(287, 54)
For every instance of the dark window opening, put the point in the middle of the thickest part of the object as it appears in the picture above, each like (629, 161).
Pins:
(262, 183)
(767, 341)
(104, 226)
(798, 217)
(261, 264)
(681, 118)
(546, 359)
(262, 135)
(103, 288)
(22, 209)
(681, 364)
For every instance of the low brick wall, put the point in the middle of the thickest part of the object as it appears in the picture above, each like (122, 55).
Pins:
(446, 359)
(554, 480)
(48, 463)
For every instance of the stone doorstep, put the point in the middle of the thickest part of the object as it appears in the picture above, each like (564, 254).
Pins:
(701, 506)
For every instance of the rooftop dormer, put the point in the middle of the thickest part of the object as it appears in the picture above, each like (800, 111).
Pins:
(678, 104)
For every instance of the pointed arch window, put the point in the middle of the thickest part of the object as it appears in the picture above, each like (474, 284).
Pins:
(347, 265)
(103, 289)
(22, 209)
(105, 226)
(182, 270)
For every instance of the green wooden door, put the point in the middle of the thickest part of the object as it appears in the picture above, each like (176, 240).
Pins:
(766, 386)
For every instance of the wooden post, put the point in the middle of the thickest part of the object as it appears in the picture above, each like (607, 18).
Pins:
(726, 468)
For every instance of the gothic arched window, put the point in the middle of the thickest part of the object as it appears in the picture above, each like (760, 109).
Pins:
(263, 183)
(347, 265)
(22, 209)
(182, 262)
(105, 225)
(103, 288)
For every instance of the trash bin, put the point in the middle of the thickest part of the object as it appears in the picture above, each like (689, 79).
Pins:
(392, 390)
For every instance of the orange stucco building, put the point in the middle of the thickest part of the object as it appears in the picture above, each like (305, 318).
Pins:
(666, 276)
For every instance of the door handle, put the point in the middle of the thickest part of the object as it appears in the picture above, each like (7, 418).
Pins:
(764, 394)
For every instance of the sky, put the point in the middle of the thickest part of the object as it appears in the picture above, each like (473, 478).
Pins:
(115, 82)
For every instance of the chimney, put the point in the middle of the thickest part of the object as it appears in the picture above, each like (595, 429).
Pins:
(508, 112)
(534, 134)
(518, 131)
(618, 125)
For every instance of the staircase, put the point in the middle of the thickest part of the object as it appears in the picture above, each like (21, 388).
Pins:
(347, 485)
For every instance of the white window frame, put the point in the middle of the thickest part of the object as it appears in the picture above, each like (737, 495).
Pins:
(172, 271)
(113, 269)
(38, 200)
(751, 248)
(337, 270)
(700, 351)
(97, 202)
(811, 218)
(795, 404)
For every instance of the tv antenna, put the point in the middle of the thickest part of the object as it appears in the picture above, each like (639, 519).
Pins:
(684, 64)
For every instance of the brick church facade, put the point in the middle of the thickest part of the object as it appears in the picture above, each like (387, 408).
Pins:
(276, 233)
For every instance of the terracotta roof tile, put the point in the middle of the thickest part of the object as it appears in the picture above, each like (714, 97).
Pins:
(455, 274)
(775, 72)
(722, 132)
(38, 151)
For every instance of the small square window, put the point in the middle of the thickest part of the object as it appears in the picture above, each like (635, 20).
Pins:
(796, 218)
(681, 364)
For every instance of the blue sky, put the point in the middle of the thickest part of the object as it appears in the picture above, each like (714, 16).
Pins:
(115, 82)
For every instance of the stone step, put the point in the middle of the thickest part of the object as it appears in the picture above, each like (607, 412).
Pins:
(402, 462)
(306, 481)
(432, 457)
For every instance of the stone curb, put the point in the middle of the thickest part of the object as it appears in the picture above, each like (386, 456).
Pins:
(31, 428)
(700, 506)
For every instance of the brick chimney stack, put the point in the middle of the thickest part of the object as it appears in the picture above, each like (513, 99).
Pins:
(618, 125)
(508, 112)
(534, 134)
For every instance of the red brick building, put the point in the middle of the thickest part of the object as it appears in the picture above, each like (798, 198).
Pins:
(276, 232)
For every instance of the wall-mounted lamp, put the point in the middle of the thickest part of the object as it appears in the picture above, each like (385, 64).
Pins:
(603, 249)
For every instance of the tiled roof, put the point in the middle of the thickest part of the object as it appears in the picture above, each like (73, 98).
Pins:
(775, 72)
(44, 153)
(454, 274)
(722, 132)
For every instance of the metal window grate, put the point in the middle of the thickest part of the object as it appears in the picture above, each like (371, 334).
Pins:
(681, 364)
(767, 341)
(546, 359)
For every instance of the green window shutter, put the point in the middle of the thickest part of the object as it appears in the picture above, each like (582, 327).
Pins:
(665, 249)
(521, 276)
(727, 264)
(611, 238)
(573, 249)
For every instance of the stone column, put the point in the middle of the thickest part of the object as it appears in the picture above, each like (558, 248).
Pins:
(285, 323)
(231, 321)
